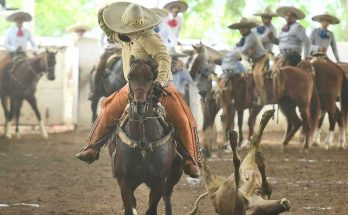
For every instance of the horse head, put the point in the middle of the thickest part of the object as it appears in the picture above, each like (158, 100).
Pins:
(48, 63)
(201, 69)
(140, 78)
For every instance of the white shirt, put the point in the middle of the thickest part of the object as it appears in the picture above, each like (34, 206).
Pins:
(166, 34)
(175, 29)
(12, 41)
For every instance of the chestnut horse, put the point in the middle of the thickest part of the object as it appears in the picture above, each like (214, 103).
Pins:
(144, 147)
(20, 84)
(331, 84)
(298, 90)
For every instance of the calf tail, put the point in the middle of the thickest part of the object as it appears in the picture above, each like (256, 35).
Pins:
(195, 207)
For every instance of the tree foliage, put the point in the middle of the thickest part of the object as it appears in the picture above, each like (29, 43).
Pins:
(205, 19)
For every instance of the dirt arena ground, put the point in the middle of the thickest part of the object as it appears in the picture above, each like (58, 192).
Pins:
(45, 176)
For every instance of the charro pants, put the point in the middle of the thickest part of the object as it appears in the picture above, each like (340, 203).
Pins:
(260, 67)
(177, 111)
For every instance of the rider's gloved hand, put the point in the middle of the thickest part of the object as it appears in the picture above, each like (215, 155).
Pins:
(157, 89)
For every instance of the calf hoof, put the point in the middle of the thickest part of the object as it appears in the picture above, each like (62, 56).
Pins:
(286, 203)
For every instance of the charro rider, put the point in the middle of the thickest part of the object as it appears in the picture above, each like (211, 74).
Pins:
(175, 20)
(109, 51)
(17, 38)
(292, 37)
(322, 37)
(163, 29)
(266, 32)
(251, 46)
(131, 25)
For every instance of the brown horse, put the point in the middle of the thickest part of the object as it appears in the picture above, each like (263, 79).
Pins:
(20, 84)
(112, 80)
(144, 148)
(331, 84)
(297, 90)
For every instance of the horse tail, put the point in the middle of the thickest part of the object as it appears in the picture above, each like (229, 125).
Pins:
(344, 98)
(314, 108)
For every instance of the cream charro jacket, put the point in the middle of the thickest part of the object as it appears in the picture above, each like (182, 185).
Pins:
(144, 45)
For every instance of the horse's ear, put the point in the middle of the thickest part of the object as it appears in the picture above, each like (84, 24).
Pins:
(195, 47)
(131, 60)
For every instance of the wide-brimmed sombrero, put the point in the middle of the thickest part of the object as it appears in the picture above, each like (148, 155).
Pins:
(20, 15)
(243, 23)
(213, 54)
(179, 4)
(127, 18)
(282, 11)
(163, 13)
(326, 16)
(78, 27)
(267, 12)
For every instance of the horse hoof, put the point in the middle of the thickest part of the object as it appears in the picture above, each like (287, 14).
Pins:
(316, 144)
(341, 147)
(18, 136)
(284, 149)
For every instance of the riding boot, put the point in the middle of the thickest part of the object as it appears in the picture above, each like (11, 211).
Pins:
(112, 109)
(182, 118)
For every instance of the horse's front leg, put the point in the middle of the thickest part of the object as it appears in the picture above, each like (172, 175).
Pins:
(128, 198)
(94, 107)
(32, 101)
(156, 192)
(17, 105)
(7, 116)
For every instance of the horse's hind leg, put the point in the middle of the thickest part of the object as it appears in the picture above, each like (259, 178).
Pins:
(342, 129)
(333, 117)
(305, 114)
(240, 126)
(294, 123)
(172, 179)
(33, 104)
(317, 138)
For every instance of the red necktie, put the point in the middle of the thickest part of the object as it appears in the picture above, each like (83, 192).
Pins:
(20, 33)
(172, 23)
